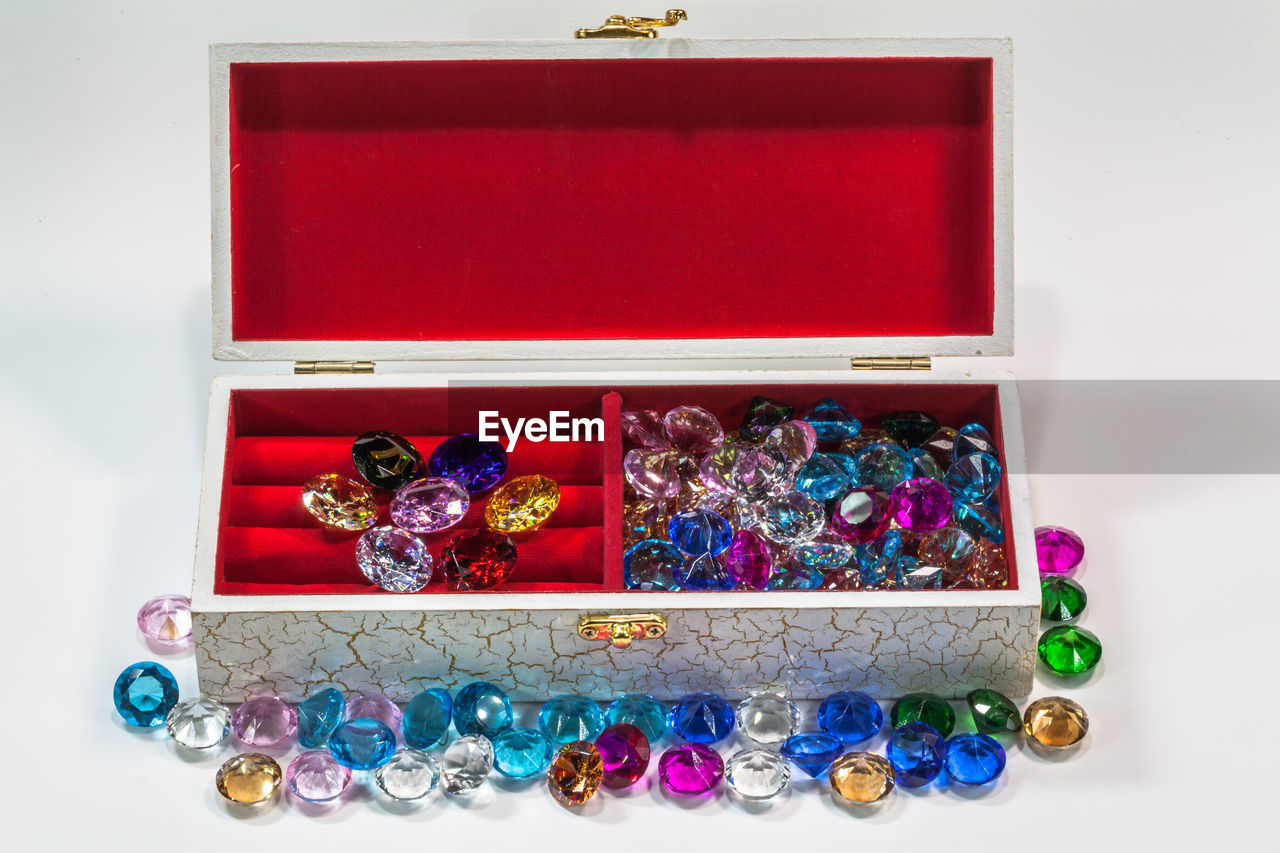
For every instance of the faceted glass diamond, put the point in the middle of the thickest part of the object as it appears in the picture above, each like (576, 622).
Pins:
(974, 477)
(315, 777)
(748, 560)
(757, 774)
(993, 711)
(865, 438)
(978, 520)
(473, 464)
(624, 754)
(851, 716)
(1069, 650)
(375, 706)
(921, 504)
(1055, 722)
(339, 503)
(1058, 550)
(318, 716)
(702, 718)
(699, 531)
(1061, 599)
(690, 769)
(767, 718)
(705, 572)
(693, 429)
(923, 465)
(825, 475)
(792, 442)
(465, 764)
(429, 505)
(832, 422)
(973, 438)
(924, 708)
(394, 560)
(248, 779)
(862, 515)
(861, 778)
(575, 773)
(145, 693)
(827, 550)
(482, 708)
(795, 576)
(199, 723)
(812, 753)
(644, 519)
(987, 568)
(915, 750)
(762, 416)
(883, 465)
(386, 460)
(568, 718)
(973, 759)
(652, 564)
(522, 504)
(792, 518)
(264, 721)
(642, 711)
(426, 718)
(941, 446)
(715, 471)
(652, 473)
(362, 744)
(519, 753)
(878, 560)
(948, 548)
(757, 474)
(410, 774)
(166, 621)
(646, 428)
(910, 429)
(481, 559)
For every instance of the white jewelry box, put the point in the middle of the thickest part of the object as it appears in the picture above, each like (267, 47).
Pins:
(664, 198)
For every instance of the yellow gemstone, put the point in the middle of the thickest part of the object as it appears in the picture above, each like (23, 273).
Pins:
(1055, 722)
(340, 503)
(522, 504)
(861, 777)
(248, 779)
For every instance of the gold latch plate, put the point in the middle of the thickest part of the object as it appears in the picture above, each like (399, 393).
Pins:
(623, 27)
(621, 629)
(333, 367)
(891, 363)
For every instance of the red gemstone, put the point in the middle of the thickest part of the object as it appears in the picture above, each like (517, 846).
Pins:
(861, 515)
(625, 752)
(478, 560)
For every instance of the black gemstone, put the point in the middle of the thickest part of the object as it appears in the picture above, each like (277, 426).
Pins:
(910, 429)
(386, 460)
(763, 415)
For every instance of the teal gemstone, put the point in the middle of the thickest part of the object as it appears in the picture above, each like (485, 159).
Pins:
(362, 744)
(318, 716)
(924, 465)
(973, 438)
(642, 711)
(878, 560)
(796, 576)
(482, 708)
(978, 520)
(882, 464)
(145, 693)
(520, 753)
(825, 475)
(426, 718)
(568, 718)
(974, 477)
(832, 422)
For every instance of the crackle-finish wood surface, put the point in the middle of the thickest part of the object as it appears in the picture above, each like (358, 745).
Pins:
(534, 654)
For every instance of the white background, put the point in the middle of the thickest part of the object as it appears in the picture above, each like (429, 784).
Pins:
(1146, 229)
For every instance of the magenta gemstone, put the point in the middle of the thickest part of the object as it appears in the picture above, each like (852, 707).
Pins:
(166, 620)
(375, 706)
(921, 504)
(264, 721)
(691, 769)
(314, 776)
(1058, 550)
(748, 560)
(624, 752)
(861, 514)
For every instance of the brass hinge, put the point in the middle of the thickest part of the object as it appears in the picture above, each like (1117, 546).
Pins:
(333, 367)
(623, 27)
(903, 362)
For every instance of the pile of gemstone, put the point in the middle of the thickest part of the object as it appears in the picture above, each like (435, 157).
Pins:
(431, 497)
(818, 501)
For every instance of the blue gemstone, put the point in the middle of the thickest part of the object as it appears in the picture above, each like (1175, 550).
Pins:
(882, 464)
(482, 708)
(796, 576)
(832, 422)
(520, 753)
(362, 744)
(701, 718)
(706, 571)
(145, 693)
(568, 718)
(812, 753)
(974, 477)
(915, 751)
(972, 438)
(652, 564)
(974, 759)
(850, 716)
(699, 531)
(978, 520)
(426, 718)
(924, 465)
(878, 559)
(318, 716)
(642, 711)
(473, 464)
(825, 475)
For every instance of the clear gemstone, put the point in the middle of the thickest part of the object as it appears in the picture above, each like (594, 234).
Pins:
(652, 564)
(522, 504)
(264, 721)
(465, 764)
(792, 442)
(429, 505)
(315, 777)
(410, 774)
(716, 469)
(693, 429)
(756, 474)
(916, 575)
(757, 774)
(792, 518)
(145, 693)
(393, 559)
(924, 465)
(166, 621)
(568, 718)
(340, 503)
(827, 550)
(374, 706)
(883, 465)
(248, 779)
(199, 723)
(767, 718)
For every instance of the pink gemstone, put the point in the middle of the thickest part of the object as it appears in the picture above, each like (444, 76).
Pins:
(624, 752)
(921, 504)
(376, 706)
(748, 560)
(652, 473)
(691, 769)
(429, 505)
(166, 620)
(693, 429)
(264, 721)
(315, 777)
(861, 515)
(1058, 550)
(646, 428)
(792, 442)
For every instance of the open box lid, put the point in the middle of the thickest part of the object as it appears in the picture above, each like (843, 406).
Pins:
(663, 198)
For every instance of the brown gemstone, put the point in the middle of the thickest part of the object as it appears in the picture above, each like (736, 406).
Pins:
(248, 779)
(941, 445)
(867, 436)
(1055, 722)
(575, 773)
(644, 519)
(987, 566)
(339, 503)
(861, 777)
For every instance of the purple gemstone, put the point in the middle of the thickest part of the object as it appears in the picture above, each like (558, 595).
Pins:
(646, 428)
(1058, 550)
(921, 504)
(264, 721)
(315, 777)
(166, 620)
(375, 706)
(429, 505)
(748, 559)
(690, 769)
(473, 464)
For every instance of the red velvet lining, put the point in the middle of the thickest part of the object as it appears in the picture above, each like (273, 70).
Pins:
(277, 439)
(611, 199)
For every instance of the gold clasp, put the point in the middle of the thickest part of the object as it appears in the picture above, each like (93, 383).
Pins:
(621, 628)
(622, 27)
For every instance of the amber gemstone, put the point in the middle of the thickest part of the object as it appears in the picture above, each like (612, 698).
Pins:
(575, 773)
(522, 504)
(338, 502)
(861, 777)
(1055, 722)
(644, 519)
(866, 438)
(987, 566)
(248, 779)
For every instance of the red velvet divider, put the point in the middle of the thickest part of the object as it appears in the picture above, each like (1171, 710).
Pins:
(562, 199)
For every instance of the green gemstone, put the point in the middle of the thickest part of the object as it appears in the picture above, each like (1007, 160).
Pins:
(993, 712)
(1061, 599)
(924, 708)
(1069, 650)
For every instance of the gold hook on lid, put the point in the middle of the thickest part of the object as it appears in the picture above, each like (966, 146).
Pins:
(623, 27)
